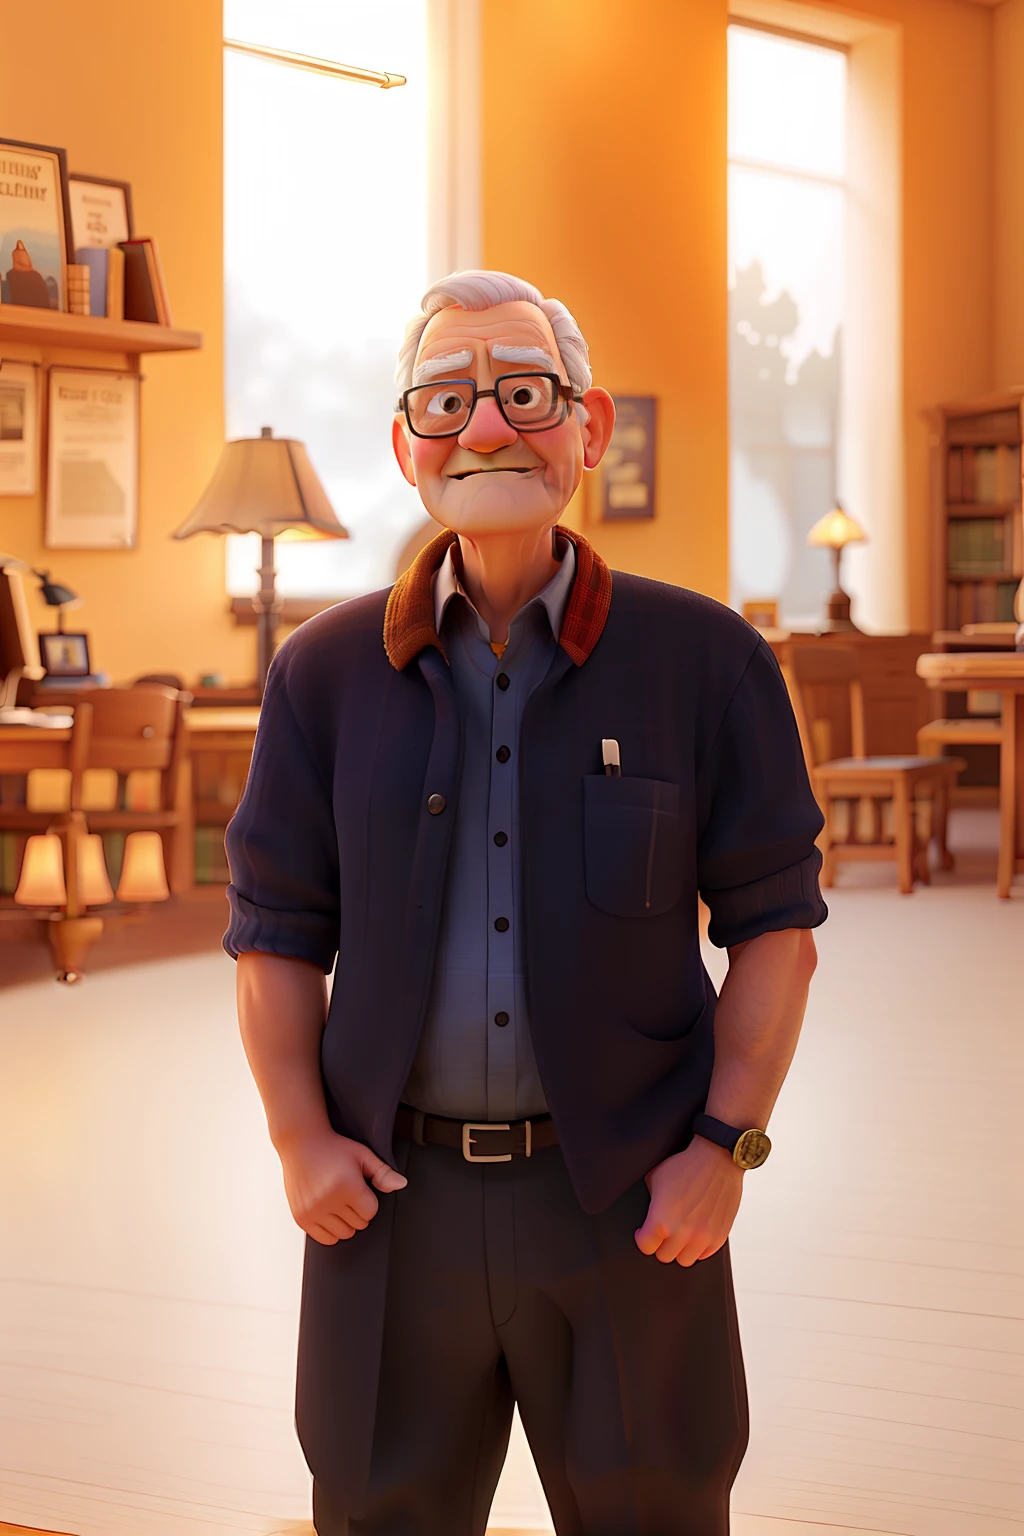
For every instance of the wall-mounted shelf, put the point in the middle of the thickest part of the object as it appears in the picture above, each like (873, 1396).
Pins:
(49, 328)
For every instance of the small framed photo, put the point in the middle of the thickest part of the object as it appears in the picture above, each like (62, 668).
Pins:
(35, 225)
(65, 655)
(92, 479)
(762, 612)
(101, 211)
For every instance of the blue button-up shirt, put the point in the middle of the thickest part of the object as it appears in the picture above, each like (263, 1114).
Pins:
(475, 1059)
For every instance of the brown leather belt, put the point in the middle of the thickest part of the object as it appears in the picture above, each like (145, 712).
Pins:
(478, 1142)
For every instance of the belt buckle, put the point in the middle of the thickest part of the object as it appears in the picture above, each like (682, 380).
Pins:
(468, 1140)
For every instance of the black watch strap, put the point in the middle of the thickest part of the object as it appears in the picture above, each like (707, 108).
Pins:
(748, 1149)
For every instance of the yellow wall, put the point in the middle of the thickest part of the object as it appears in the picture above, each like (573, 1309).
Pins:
(134, 91)
(634, 198)
(614, 202)
(1008, 22)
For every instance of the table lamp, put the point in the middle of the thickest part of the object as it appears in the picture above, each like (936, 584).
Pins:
(264, 485)
(834, 531)
(56, 596)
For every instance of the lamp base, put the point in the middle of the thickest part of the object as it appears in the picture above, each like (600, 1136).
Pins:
(70, 939)
(837, 617)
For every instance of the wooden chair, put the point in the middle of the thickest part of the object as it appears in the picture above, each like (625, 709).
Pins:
(863, 783)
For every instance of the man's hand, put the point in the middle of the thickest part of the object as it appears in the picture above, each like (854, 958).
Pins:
(694, 1199)
(325, 1179)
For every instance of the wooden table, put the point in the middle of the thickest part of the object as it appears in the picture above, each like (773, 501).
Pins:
(1002, 673)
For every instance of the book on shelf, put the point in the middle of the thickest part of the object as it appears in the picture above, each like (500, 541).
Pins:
(984, 474)
(979, 602)
(977, 545)
(115, 283)
(145, 296)
(211, 860)
(95, 258)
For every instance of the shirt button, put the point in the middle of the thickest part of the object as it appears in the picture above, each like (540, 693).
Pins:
(503, 754)
(436, 804)
(501, 838)
(501, 923)
(503, 680)
(501, 1019)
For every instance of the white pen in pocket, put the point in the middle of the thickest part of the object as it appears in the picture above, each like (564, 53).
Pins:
(610, 757)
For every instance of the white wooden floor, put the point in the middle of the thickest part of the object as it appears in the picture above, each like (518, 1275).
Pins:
(149, 1271)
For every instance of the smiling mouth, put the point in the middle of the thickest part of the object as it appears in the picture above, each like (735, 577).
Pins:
(508, 470)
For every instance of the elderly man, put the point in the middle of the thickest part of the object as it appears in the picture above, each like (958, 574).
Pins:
(516, 1137)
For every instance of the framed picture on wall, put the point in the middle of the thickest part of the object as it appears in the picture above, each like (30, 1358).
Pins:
(101, 211)
(92, 461)
(628, 467)
(35, 225)
(19, 428)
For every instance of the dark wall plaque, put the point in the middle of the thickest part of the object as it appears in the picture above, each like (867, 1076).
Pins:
(627, 469)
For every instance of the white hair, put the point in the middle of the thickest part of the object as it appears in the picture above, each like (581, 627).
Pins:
(482, 290)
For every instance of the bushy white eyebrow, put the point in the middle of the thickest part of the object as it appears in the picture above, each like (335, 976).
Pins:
(535, 355)
(445, 363)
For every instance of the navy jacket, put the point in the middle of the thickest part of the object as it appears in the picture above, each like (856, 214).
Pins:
(334, 852)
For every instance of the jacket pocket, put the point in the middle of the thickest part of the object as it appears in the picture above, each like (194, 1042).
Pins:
(632, 845)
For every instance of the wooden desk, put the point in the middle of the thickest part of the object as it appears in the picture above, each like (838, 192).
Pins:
(220, 743)
(999, 672)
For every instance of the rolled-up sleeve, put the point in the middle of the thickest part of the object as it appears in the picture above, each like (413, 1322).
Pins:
(757, 864)
(281, 845)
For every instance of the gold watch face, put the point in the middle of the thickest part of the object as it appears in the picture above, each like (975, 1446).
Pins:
(751, 1149)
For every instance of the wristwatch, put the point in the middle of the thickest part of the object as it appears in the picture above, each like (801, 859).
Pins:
(749, 1148)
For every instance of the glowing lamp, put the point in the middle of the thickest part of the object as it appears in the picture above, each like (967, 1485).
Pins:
(42, 873)
(93, 881)
(834, 531)
(143, 877)
(264, 485)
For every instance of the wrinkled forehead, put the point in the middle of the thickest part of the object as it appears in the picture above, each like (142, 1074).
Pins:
(516, 324)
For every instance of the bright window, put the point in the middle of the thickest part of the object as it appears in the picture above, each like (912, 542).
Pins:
(787, 206)
(325, 240)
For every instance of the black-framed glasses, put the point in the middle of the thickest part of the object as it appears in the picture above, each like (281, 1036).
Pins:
(529, 402)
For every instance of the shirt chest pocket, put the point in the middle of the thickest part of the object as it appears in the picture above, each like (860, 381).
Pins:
(632, 845)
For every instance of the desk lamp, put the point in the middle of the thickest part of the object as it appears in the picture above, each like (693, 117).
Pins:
(834, 531)
(264, 485)
(56, 596)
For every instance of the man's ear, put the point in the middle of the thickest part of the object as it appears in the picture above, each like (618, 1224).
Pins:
(597, 433)
(403, 451)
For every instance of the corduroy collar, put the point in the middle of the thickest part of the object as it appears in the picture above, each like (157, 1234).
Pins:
(409, 616)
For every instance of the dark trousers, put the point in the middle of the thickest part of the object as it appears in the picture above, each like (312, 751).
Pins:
(627, 1372)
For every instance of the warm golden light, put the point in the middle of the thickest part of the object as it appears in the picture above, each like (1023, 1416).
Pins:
(94, 887)
(42, 873)
(835, 530)
(143, 877)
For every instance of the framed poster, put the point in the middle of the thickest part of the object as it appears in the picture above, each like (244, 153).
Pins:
(101, 211)
(19, 428)
(35, 225)
(92, 481)
(628, 467)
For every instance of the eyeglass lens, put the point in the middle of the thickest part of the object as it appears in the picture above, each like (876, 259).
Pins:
(527, 401)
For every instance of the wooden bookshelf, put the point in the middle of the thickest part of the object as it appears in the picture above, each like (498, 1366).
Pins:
(22, 326)
(977, 560)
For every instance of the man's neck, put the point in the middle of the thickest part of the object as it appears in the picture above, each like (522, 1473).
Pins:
(502, 571)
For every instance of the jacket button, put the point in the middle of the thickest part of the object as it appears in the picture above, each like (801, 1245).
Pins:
(503, 754)
(503, 680)
(501, 838)
(501, 923)
(501, 1019)
(436, 804)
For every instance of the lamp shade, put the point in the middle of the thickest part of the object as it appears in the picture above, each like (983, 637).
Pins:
(42, 873)
(93, 881)
(263, 485)
(835, 530)
(143, 877)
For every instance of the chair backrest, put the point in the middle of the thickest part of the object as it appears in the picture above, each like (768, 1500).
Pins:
(125, 729)
(828, 700)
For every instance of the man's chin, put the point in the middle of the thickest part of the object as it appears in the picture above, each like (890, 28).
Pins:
(469, 507)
